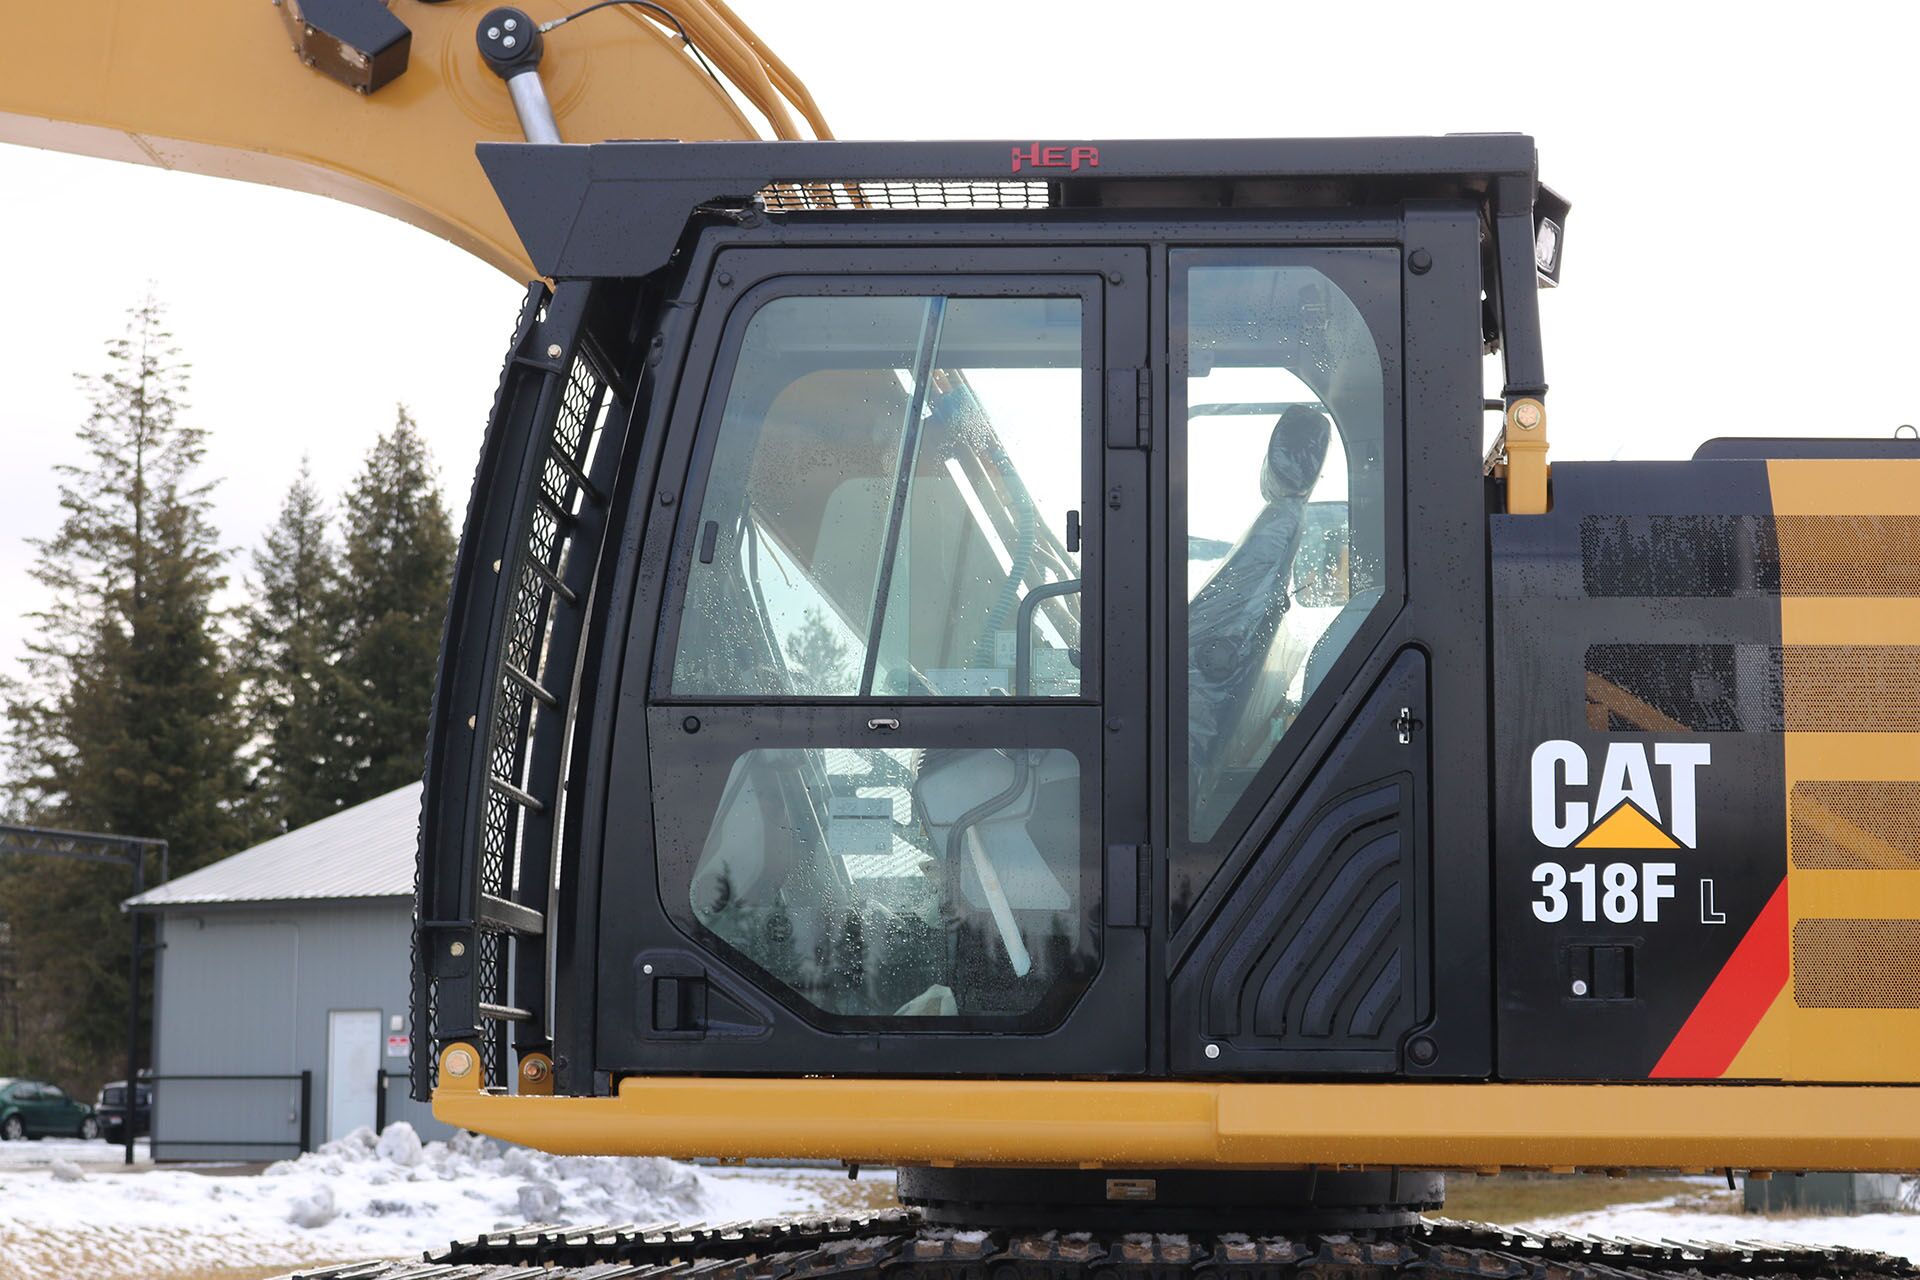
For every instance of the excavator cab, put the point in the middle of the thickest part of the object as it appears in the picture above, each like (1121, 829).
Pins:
(957, 609)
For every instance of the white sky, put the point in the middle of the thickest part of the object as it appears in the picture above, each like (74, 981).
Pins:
(1739, 256)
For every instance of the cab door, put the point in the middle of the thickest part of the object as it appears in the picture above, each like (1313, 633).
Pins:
(894, 807)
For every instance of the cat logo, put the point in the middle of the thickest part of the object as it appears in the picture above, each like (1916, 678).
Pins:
(1629, 807)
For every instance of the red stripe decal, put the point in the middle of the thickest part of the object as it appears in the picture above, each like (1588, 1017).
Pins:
(1740, 996)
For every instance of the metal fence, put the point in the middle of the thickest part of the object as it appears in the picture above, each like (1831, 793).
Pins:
(305, 1117)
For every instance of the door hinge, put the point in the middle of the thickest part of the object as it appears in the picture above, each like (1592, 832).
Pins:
(1128, 882)
(1129, 408)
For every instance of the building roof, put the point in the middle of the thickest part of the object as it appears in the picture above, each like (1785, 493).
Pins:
(363, 852)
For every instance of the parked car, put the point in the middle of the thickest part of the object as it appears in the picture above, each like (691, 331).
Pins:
(111, 1110)
(30, 1109)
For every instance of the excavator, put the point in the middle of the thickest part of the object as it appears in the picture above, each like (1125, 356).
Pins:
(1012, 660)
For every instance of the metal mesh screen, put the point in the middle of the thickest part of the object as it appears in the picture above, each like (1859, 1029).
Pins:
(538, 568)
(1856, 964)
(1868, 688)
(815, 196)
(1750, 688)
(1677, 555)
(1842, 555)
(1855, 826)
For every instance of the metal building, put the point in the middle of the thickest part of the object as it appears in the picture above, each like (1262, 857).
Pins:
(281, 993)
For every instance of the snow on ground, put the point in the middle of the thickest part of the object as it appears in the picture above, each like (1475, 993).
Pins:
(363, 1196)
(16, 1155)
(1691, 1217)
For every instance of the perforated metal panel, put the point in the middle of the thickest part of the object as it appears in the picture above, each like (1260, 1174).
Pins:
(815, 196)
(1725, 688)
(1849, 555)
(1856, 964)
(1856, 826)
(1865, 688)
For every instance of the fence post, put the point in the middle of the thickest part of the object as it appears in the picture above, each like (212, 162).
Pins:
(380, 1100)
(306, 1112)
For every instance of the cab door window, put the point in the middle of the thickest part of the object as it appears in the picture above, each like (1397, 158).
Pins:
(1286, 404)
(894, 505)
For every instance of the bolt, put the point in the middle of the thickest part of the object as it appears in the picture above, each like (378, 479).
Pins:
(458, 1062)
(509, 42)
(511, 24)
(534, 1069)
(1213, 1051)
(553, 351)
(493, 33)
(458, 948)
(1420, 262)
(1579, 986)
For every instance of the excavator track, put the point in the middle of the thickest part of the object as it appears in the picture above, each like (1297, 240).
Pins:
(899, 1246)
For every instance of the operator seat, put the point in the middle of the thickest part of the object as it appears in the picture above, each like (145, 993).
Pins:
(1232, 621)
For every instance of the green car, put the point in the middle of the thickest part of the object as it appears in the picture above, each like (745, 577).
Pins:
(30, 1109)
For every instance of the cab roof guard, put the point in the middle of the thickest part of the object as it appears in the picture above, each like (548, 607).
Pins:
(618, 209)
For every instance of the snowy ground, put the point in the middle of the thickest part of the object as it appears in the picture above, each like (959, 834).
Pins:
(1717, 1217)
(69, 1209)
(356, 1198)
(20, 1155)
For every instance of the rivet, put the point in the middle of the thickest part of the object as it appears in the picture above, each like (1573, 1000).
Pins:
(1213, 1051)
(1423, 1051)
(1113, 277)
(666, 497)
(493, 33)
(511, 25)
(724, 279)
(646, 968)
(691, 724)
(1113, 725)
(1419, 262)
(509, 42)
(1579, 986)
(554, 352)
(459, 1062)
(457, 948)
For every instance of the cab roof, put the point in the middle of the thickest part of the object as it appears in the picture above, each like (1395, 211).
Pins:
(618, 208)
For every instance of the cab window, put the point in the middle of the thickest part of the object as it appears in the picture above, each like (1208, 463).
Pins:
(1285, 519)
(893, 508)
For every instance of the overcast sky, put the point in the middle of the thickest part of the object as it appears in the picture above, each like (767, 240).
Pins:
(1740, 258)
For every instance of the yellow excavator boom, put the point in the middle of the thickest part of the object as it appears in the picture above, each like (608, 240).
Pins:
(211, 86)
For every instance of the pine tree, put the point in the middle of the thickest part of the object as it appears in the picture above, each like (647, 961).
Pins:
(293, 696)
(391, 602)
(126, 721)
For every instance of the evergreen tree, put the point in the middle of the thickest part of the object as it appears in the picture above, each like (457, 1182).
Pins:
(293, 698)
(126, 721)
(391, 602)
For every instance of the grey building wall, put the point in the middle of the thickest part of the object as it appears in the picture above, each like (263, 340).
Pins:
(246, 990)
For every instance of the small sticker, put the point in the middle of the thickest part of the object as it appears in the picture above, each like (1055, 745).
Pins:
(399, 1046)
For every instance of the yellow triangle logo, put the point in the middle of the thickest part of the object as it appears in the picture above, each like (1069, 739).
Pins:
(1627, 827)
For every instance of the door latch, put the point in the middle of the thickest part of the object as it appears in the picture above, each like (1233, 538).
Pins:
(1404, 724)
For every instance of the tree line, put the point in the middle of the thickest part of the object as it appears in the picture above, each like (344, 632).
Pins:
(149, 704)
